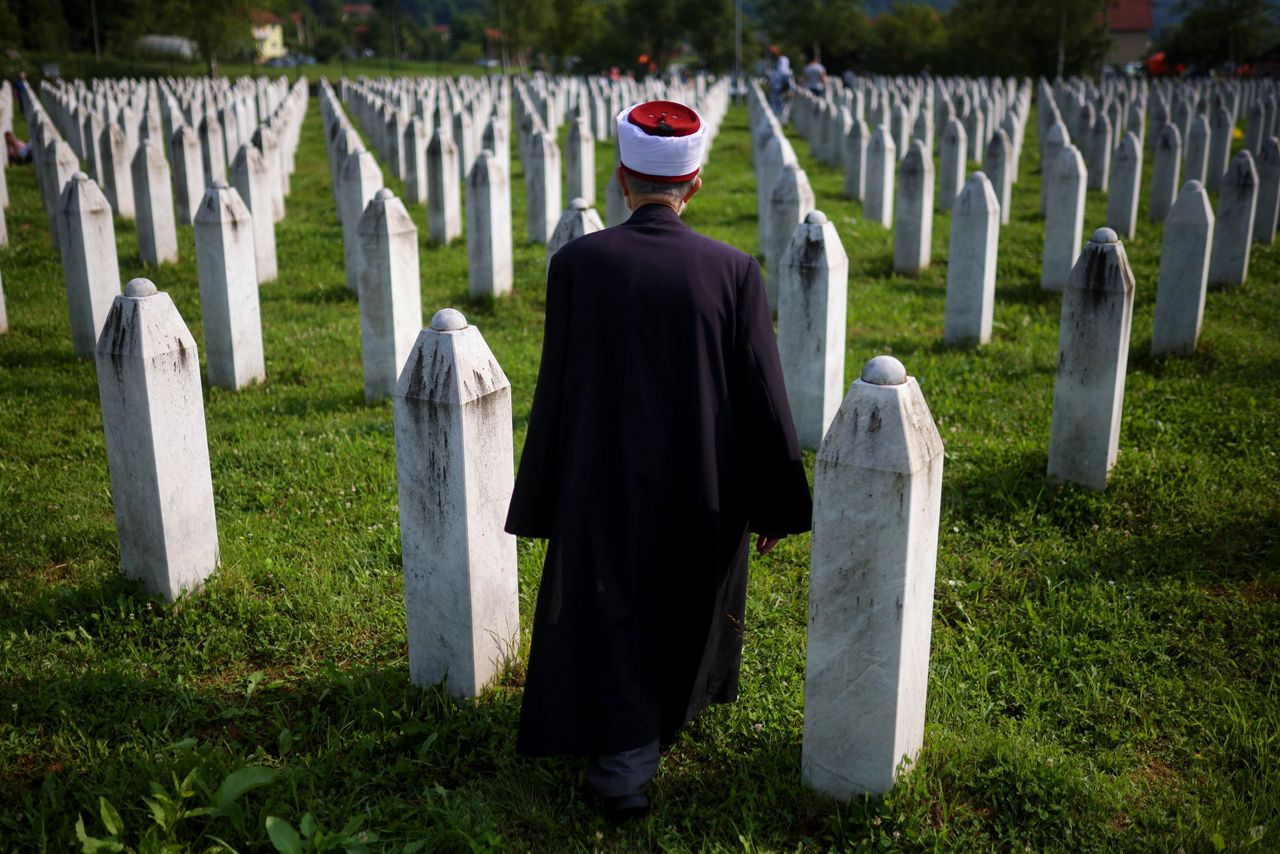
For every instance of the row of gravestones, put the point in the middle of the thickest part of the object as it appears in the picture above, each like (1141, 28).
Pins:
(226, 228)
(455, 474)
(810, 296)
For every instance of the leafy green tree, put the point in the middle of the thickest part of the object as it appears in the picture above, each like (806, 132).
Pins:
(711, 32)
(837, 29)
(1036, 37)
(907, 40)
(571, 21)
(1218, 32)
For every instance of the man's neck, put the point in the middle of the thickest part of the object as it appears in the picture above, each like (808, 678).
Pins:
(637, 202)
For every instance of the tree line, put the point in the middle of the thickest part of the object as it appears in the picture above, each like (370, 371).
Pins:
(1028, 37)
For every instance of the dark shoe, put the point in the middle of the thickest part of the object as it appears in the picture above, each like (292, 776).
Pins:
(625, 808)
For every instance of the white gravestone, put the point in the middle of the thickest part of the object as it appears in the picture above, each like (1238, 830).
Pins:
(213, 153)
(877, 504)
(89, 264)
(855, 159)
(580, 162)
(1093, 352)
(1184, 273)
(153, 199)
(444, 203)
(951, 171)
(1196, 165)
(997, 165)
(1064, 219)
(971, 264)
(157, 449)
(1165, 172)
(812, 309)
(188, 173)
(882, 157)
(1126, 185)
(790, 201)
(455, 472)
(1265, 219)
(1099, 141)
(913, 213)
(1056, 138)
(489, 244)
(228, 289)
(414, 144)
(359, 179)
(1233, 230)
(1221, 126)
(542, 187)
(578, 219)
(390, 292)
(252, 180)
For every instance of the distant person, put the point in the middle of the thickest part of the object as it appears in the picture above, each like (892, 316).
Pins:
(781, 84)
(815, 77)
(19, 151)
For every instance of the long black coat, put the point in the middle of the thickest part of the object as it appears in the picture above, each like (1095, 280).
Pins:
(660, 434)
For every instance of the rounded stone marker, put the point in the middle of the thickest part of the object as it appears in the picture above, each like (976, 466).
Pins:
(1193, 185)
(79, 176)
(578, 204)
(383, 194)
(815, 218)
(219, 184)
(448, 320)
(884, 370)
(1105, 235)
(140, 288)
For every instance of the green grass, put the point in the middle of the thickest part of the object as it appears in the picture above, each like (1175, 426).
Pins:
(1103, 670)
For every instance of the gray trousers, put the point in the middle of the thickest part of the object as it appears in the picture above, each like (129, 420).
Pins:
(616, 775)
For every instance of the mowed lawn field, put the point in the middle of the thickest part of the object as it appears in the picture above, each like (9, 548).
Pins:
(1103, 673)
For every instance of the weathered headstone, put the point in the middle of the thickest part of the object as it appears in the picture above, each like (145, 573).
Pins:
(268, 145)
(913, 213)
(953, 152)
(1056, 138)
(444, 203)
(855, 159)
(578, 219)
(390, 292)
(1126, 180)
(1184, 273)
(415, 161)
(116, 169)
(877, 206)
(455, 473)
(489, 249)
(89, 264)
(1093, 351)
(997, 165)
(252, 180)
(1221, 126)
(542, 187)
(153, 199)
(188, 173)
(213, 152)
(1196, 165)
(1099, 160)
(1064, 219)
(971, 264)
(877, 505)
(358, 179)
(812, 311)
(1165, 172)
(790, 201)
(1268, 163)
(1233, 228)
(580, 162)
(228, 289)
(157, 448)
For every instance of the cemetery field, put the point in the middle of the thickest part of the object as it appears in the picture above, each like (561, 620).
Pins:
(1103, 672)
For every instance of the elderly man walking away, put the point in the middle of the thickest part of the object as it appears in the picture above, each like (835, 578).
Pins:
(660, 436)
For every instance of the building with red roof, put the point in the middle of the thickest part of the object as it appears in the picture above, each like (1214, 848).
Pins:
(1130, 23)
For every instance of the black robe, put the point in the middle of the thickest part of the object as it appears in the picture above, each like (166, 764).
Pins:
(660, 434)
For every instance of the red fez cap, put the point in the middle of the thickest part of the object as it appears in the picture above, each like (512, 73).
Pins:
(665, 118)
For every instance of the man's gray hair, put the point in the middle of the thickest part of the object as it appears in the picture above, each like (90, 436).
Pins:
(642, 187)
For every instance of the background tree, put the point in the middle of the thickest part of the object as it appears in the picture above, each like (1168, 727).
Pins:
(1222, 32)
(1037, 37)
(907, 40)
(835, 28)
